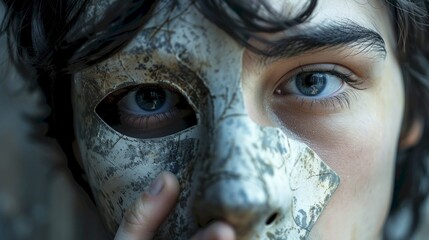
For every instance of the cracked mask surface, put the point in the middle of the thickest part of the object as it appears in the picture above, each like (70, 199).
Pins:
(264, 183)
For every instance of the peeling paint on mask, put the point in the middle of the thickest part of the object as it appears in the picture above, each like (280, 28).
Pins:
(267, 185)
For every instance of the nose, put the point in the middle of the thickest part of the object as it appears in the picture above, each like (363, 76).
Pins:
(242, 177)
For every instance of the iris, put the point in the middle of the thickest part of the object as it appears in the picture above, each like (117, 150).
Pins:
(311, 84)
(150, 98)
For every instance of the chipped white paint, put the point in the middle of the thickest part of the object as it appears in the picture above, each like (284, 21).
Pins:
(228, 166)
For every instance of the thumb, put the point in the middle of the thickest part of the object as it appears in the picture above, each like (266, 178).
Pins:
(152, 207)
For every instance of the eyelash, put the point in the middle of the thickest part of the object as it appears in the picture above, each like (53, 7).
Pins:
(348, 78)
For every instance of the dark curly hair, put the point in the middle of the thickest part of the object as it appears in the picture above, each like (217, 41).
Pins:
(45, 47)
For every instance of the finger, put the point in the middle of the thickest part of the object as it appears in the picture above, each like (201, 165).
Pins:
(216, 231)
(147, 213)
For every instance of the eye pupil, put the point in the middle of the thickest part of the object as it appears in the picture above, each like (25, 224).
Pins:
(150, 98)
(311, 84)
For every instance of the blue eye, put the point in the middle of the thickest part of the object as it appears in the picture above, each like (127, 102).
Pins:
(146, 111)
(150, 98)
(318, 84)
(318, 87)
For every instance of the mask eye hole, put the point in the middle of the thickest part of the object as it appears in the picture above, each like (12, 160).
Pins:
(146, 111)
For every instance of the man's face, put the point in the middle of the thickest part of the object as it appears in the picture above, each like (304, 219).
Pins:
(258, 142)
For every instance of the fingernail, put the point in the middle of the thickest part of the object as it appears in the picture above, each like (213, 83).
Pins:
(156, 186)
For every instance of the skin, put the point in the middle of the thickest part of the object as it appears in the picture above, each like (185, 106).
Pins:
(357, 140)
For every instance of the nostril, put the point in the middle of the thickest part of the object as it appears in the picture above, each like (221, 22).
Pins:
(210, 221)
(271, 218)
(202, 225)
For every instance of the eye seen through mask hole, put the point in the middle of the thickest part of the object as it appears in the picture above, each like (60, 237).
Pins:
(146, 111)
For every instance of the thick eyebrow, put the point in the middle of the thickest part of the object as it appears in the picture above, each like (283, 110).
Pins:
(335, 35)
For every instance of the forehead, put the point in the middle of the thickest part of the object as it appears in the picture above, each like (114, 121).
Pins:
(181, 36)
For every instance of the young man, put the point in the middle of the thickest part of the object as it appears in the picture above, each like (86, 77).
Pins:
(280, 119)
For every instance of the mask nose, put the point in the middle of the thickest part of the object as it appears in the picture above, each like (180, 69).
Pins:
(240, 175)
(242, 203)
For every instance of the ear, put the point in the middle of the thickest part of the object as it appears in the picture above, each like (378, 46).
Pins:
(77, 154)
(413, 135)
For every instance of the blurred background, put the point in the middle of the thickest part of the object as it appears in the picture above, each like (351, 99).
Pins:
(38, 197)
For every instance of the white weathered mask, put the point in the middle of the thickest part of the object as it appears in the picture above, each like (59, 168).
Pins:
(173, 100)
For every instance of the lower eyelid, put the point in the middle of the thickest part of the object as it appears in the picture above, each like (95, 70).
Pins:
(326, 105)
(132, 121)
(342, 100)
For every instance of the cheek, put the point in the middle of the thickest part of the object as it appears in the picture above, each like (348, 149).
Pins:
(360, 145)
(365, 159)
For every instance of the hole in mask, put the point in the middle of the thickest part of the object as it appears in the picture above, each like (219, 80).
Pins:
(271, 219)
(146, 111)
